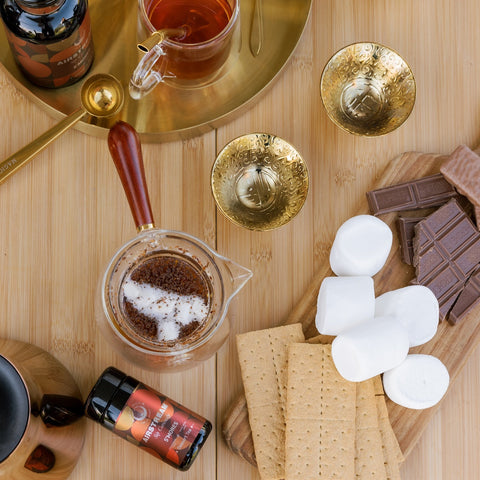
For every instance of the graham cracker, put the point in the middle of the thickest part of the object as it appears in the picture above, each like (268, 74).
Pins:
(392, 453)
(320, 417)
(378, 385)
(325, 339)
(263, 364)
(369, 457)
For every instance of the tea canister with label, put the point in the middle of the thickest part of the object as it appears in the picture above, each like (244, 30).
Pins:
(50, 40)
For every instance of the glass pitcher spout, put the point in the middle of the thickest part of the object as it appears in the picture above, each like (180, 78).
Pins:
(235, 278)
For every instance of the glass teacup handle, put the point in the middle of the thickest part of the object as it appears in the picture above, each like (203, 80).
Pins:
(151, 69)
(147, 75)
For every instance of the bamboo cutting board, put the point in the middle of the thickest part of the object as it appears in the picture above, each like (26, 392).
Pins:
(452, 344)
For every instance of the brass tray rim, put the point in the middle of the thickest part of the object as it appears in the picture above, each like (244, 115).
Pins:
(22, 84)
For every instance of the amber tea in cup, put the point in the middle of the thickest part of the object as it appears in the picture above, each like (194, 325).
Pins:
(186, 42)
(199, 25)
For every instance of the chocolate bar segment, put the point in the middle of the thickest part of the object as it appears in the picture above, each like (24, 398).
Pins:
(477, 214)
(446, 252)
(446, 287)
(406, 232)
(462, 169)
(467, 300)
(424, 192)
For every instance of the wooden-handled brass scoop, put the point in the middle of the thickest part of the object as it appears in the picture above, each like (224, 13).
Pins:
(101, 96)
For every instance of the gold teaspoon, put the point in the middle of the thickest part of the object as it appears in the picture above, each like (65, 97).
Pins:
(256, 31)
(101, 96)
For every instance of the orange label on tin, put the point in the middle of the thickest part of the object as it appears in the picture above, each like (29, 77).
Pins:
(159, 425)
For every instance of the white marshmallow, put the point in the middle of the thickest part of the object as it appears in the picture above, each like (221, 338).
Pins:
(415, 307)
(361, 246)
(419, 382)
(369, 349)
(344, 302)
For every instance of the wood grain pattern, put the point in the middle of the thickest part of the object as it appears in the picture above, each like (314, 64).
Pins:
(64, 214)
(452, 345)
(43, 375)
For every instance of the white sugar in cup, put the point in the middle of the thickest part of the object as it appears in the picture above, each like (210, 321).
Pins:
(418, 382)
(361, 246)
(344, 302)
(370, 348)
(415, 307)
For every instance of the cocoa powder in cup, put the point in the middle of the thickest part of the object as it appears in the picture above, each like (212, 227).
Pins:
(165, 299)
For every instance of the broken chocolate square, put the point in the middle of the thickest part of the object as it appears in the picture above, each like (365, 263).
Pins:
(424, 192)
(446, 252)
(467, 300)
(406, 232)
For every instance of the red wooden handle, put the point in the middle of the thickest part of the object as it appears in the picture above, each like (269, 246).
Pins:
(124, 145)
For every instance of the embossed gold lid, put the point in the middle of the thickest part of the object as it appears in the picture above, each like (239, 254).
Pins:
(259, 181)
(367, 89)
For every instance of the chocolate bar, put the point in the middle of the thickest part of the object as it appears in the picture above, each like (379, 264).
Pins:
(469, 297)
(406, 232)
(424, 192)
(462, 170)
(446, 252)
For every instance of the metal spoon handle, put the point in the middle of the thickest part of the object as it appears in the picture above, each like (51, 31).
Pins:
(256, 32)
(20, 158)
(125, 148)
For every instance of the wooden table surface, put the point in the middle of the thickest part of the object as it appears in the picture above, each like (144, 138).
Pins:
(63, 216)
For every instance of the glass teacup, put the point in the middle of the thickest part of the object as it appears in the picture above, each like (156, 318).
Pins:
(186, 43)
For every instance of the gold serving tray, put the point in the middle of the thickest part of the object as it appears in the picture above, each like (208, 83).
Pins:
(169, 113)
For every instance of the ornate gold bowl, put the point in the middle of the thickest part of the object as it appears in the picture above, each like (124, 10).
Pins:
(367, 89)
(259, 181)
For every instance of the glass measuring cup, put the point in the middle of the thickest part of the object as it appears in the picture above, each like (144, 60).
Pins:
(186, 43)
(163, 299)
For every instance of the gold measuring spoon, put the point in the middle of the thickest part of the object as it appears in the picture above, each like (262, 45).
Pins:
(101, 96)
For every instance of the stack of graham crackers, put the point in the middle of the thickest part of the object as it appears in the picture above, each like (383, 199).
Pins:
(307, 421)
